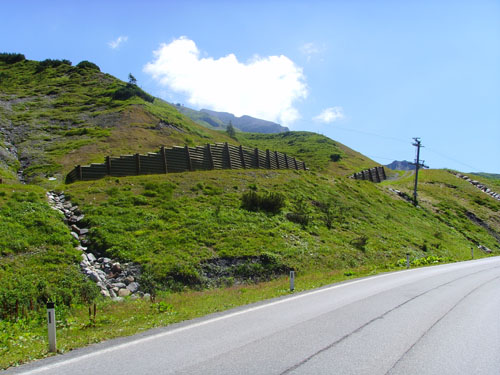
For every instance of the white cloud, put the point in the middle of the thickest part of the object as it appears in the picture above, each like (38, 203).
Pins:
(330, 115)
(264, 87)
(116, 43)
(310, 49)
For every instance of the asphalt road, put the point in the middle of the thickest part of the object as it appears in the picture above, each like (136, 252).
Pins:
(435, 320)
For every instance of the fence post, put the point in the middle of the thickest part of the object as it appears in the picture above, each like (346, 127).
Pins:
(383, 172)
(51, 326)
(226, 147)
(137, 165)
(108, 165)
(295, 162)
(257, 158)
(242, 157)
(370, 175)
(80, 172)
(277, 159)
(188, 157)
(304, 164)
(268, 159)
(286, 162)
(164, 159)
(210, 156)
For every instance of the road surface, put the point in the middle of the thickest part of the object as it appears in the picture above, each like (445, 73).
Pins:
(436, 320)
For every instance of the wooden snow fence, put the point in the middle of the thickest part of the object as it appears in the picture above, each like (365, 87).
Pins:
(183, 159)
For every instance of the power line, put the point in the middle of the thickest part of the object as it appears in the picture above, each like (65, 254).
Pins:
(452, 159)
(371, 134)
(403, 141)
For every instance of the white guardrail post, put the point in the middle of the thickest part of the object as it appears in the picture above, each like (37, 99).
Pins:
(51, 326)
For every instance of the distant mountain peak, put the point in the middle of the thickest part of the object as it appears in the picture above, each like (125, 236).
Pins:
(403, 165)
(222, 119)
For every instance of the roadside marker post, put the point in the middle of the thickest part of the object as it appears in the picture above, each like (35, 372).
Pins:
(292, 281)
(407, 261)
(51, 326)
(472, 253)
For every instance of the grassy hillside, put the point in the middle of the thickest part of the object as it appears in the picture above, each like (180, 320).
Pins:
(321, 153)
(54, 116)
(206, 240)
(172, 224)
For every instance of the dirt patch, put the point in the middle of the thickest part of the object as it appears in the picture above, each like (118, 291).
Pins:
(231, 271)
(483, 224)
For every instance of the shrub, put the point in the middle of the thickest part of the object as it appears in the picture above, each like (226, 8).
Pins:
(269, 202)
(12, 58)
(360, 243)
(299, 213)
(49, 63)
(87, 65)
(129, 91)
(335, 157)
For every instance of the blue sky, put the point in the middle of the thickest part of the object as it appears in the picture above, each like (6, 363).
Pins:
(369, 74)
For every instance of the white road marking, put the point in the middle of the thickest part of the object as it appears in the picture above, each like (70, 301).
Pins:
(223, 317)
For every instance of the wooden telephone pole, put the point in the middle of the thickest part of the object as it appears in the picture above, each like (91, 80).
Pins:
(417, 165)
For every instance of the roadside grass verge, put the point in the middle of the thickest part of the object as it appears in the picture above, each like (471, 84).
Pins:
(25, 340)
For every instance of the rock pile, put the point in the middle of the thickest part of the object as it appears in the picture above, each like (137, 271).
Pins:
(479, 185)
(114, 279)
(402, 194)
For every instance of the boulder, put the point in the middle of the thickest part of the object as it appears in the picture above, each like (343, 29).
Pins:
(124, 292)
(133, 287)
(116, 268)
(94, 276)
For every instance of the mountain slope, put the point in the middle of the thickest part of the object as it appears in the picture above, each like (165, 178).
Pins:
(247, 123)
(53, 116)
(193, 230)
(401, 165)
(220, 120)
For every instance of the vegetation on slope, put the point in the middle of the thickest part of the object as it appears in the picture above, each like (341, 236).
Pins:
(196, 230)
(54, 116)
(321, 153)
(37, 259)
(175, 224)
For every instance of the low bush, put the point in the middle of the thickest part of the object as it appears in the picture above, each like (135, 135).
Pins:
(129, 91)
(269, 202)
(300, 213)
(50, 63)
(12, 58)
(87, 65)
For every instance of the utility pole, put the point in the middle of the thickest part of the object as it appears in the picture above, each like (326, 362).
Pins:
(417, 165)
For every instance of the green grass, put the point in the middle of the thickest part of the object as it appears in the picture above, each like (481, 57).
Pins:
(171, 223)
(37, 258)
(26, 339)
(321, 153)
(325, 225)
(66, 115)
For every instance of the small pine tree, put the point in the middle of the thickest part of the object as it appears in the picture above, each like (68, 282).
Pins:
(230, 130)
(132, 80)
